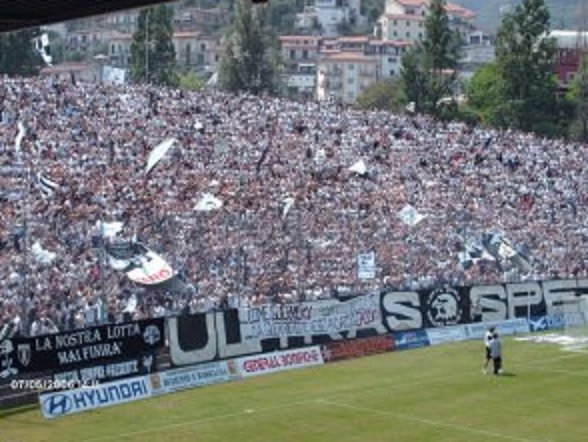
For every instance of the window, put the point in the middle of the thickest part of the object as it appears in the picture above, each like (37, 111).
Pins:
(391, 59)
(351, 67)
(305, 54)
(292, 54)
(392, 73)
(407, 23)
(394, 33)
(350, 80)
(408, 35)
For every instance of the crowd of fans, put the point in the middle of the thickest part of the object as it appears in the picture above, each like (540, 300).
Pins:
(293, 217)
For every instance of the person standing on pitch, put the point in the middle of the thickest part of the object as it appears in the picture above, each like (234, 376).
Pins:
(488, 337)
(496, 354)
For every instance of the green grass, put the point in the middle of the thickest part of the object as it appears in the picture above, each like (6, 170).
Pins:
(434, 394)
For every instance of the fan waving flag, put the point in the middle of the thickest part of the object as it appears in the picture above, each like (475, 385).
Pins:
(158, 153)
(47, 186)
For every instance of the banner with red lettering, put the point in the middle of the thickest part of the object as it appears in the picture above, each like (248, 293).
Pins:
(279, 361)
(150, 269)
(310, 318)
(357, 348)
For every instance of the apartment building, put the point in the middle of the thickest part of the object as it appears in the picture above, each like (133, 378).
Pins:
(405, 20)
(338, 68)
(194, 50)
(328, 15)
(299, 56)
(343, 76)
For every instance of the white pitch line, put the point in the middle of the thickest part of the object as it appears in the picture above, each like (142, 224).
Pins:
(432, 422)
(197, 421)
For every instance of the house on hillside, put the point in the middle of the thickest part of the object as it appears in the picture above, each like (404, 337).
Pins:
(329, 15)
(405, 20)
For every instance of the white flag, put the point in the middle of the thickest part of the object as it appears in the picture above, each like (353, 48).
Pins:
(208, 202)
(19, 136)
(158, 153)
(359, 167)
(288, 203)
(41, 255)
(118, 264)
(410, 216)
(110, 229)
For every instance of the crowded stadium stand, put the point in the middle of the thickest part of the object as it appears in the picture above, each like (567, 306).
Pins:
(256, 202)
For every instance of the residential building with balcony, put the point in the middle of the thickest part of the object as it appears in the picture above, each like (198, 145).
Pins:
(405, 20)
(343, 76)
(328, 15)
(299, 55)
(194, 50)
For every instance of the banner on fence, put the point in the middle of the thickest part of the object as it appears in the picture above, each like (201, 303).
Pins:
(279, 361)
(62, 403)
(208, 337)
(443, 335)
(508, 327)
(356, 348)
(406, 340)
(191, 377)
(310, 318)
(67, 351)
(142, 365)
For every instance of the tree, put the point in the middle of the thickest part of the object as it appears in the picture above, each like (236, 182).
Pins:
(413, 78)
(578, 96)
(249, 60)
(484, 94)
(382, 95)
(440, 56)
(153, 57)
(429, 69)
(372, 9)
(18, 56)
(190, 81)
(525, 57)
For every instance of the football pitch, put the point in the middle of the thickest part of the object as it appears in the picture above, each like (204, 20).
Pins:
(431, 394)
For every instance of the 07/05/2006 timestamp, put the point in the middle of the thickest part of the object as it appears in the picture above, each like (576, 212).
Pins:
(50, 384)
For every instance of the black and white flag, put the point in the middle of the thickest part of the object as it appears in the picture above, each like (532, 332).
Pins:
(473, 253)
(43, 48)
(47, 185)
(506, 253)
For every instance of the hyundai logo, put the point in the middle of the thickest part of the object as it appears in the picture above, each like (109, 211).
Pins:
(58, 404)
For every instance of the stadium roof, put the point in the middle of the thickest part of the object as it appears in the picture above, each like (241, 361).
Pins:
(19, 14)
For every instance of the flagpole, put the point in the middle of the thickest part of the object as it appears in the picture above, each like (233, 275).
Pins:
(25, 261)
